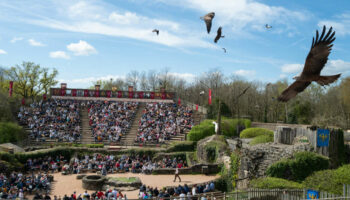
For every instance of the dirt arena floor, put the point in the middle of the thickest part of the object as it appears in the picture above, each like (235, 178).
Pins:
(68, 184)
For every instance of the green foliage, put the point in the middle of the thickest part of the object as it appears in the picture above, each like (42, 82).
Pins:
(11, 132)
(235, 162)
(274, 183)
(254, 132)
(229, 126)
(224, 183)
(329, 180)
(214, 108)
(301, 113)
(203, 130)
(95, 145)
(211, 152)
(181, 146)
(302, 165)
(261, 139)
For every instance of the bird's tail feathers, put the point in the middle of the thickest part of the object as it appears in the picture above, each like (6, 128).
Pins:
(223, 36)
(325, 80)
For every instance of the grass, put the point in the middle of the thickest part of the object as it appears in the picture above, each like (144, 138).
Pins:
(124, 179)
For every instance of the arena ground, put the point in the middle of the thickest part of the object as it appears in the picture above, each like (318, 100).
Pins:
(67, 184)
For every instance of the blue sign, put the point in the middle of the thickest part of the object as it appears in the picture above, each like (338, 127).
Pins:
(312, 194)
(322, 137)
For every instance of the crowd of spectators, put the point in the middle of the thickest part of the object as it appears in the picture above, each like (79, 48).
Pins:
(180, 192)
(110, 120)
(18, 185)
(54, 119)
(161, 121)
(45, 164)
(111, 164)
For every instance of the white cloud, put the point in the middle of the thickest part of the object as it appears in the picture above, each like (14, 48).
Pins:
(15, 39)
(2, 51)
(245, 73)
(59, 54)
(336, 66)
(82, 48)
(186, 76)
(35, 43)
(291, 68)
(246, 14)
(341, 24)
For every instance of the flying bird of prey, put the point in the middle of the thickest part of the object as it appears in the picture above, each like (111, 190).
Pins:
(218, 35)
(268, 26)
(208, 18)
(201, 93)
(224, 49)
(315, 61)
(156, 31)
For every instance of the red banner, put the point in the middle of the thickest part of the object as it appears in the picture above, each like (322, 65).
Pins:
(23, 101)
(63, 92)
(209, 100)
(163, 95)
(74, 92)
(196, 107)
(44, 97)
(120, 94)
(179, 101)
(97, 93)
(152, 95)
(86, 93)
(141, 95)
(131, 94)
(11, 88)
(109, 94)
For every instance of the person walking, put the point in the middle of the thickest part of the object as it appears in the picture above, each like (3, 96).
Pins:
(177, 174)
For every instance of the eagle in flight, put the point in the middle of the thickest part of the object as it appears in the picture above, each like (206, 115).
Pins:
(208, 18)
(315, 61)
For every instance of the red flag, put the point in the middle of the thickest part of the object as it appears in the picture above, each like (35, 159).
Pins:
(97, 93)
(141, 95)
(44, 97)
(23, 101)
(63, 92)
(109, 94)
(209, 100)
(152, 95)
(11, 88)
(196, 107)
(131, 94)
(120, 94)
(163, 95)
(86, 93)
(179, 101)
(74, 92)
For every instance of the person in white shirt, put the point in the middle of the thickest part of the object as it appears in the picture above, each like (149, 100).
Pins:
(177, 174)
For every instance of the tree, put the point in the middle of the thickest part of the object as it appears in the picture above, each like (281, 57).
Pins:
(133, 78)
(31, 80)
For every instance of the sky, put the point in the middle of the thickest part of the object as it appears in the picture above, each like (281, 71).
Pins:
(91, 40)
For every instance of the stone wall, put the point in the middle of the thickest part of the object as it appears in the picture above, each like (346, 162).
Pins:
(256, 159)
(195, 169)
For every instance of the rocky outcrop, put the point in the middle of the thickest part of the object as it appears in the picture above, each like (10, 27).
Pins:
(211, 149)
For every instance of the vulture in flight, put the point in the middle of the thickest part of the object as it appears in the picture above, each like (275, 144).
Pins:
(315, 61)
(156, 31)
(224, 49)
(208, 18)
(218, 35)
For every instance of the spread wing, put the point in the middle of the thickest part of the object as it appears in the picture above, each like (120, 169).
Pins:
(320, 49)
(218, 35)
(293, 90)
(208, 18)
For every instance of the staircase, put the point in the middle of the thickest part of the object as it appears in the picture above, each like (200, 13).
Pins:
(86, 135)
(130, 136)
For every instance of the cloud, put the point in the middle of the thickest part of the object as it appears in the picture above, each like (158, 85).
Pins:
(2, 51)
(84, 82)
(292, 68)
(59, 54)
(245, 73)
(336, 66)
(35, 43)
(82, 48)
(341, 24)
(186, 76)
(246, 15)
(15, 39)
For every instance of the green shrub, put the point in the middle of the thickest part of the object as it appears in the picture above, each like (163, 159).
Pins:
(254, 132)
(299, 167)
(181, 146)
(261, 139)
(329, 180)
(11, 132)
(95, 145)
(235, 162)
(203, 130)
(274, 183)
(229, 126)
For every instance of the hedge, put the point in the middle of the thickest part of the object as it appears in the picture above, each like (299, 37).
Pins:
(261, 139)
(329, 180)
(254, 132)
(181, 146)
(299, 167)
(274, 183)
(229, 126)
(203, 130)
(11, 132)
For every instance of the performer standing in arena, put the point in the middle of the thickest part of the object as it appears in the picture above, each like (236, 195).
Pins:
(177, 174)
